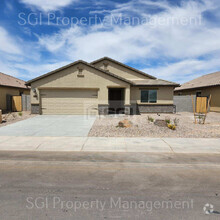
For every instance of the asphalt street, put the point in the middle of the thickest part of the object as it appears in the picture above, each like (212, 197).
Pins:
(95, 186)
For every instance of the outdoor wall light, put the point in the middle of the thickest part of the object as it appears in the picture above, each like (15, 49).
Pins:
(35, 92)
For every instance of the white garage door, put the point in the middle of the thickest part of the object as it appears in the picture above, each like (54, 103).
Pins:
(69, 102)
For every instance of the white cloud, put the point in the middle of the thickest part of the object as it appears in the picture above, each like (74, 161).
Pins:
(141, 41)
(25, 63)
(8, 68)
(167, 41)
(185, 70)
(47, 5)
(38, 69)
(8, 44)
(180, 51)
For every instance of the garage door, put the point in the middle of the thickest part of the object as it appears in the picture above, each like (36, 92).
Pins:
(69, 102)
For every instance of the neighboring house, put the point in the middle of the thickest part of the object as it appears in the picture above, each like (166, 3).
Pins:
(101, 87)
(203, 86)
(11, 86)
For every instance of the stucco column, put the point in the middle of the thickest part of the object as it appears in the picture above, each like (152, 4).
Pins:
(103, 96)
(103, 101)
(127, 96)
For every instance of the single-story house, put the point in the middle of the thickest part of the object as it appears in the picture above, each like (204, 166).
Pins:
(11, 86)
(203, 86)
(102, 87)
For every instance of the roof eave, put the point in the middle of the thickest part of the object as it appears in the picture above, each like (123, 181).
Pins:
(16, 87)
(198, 87)
(28, 83)
(154, 85)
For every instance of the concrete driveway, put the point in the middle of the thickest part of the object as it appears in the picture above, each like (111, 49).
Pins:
(51, 126)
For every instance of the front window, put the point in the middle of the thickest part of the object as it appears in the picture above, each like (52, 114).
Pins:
(149, 96)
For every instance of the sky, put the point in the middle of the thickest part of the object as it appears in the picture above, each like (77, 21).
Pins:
(176, 40)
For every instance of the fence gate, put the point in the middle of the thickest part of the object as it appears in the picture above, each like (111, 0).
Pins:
(26, 103)
(16, 104)
(201, 104)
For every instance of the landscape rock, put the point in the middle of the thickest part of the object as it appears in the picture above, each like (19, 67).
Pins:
(125, 124)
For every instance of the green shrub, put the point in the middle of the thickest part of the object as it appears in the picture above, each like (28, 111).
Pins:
(167, 121)
(150, 119)
(20, 113)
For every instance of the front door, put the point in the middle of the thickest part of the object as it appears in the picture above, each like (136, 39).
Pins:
(116, 101)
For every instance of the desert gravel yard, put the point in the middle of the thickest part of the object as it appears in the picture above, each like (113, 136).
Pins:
(142, 127)
(13, 117)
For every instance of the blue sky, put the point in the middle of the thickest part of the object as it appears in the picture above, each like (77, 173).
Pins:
(170, 39)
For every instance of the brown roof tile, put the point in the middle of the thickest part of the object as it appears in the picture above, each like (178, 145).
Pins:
(7, 80)
(154, 82)
(212, 79)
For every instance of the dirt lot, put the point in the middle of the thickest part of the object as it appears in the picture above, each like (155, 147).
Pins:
(14, 117)
(142, 127)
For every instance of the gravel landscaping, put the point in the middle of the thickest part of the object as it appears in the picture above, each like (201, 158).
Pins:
(142, 126)
(13, 117)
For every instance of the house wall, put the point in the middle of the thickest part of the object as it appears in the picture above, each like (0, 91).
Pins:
(164, 100)
(164, 95)
(121, 71)
(95, 79)
(214, 91)
(68, 79)
(9, 91)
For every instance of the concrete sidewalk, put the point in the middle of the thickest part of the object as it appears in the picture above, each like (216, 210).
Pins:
(102, 144)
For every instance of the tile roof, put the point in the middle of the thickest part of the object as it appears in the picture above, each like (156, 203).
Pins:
(153, 82)
(212, 79)
(6, 80)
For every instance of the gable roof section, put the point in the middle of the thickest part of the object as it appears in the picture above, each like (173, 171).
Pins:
(148, 82)
(124, 65)
(212, 79)
(75, 63)
(10, 81)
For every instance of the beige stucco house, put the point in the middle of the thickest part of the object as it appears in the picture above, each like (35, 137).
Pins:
(104, 86)
(203, 86)
(11, 86)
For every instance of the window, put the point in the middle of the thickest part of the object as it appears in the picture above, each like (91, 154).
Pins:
(149, 96)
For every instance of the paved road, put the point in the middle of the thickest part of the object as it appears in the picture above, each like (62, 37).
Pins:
(108, 186)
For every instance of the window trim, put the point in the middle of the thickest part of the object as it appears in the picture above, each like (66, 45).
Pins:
(148, 90)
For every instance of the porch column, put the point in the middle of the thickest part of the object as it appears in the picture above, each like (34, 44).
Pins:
(127, 96)
(103, 101)
(127, 101)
